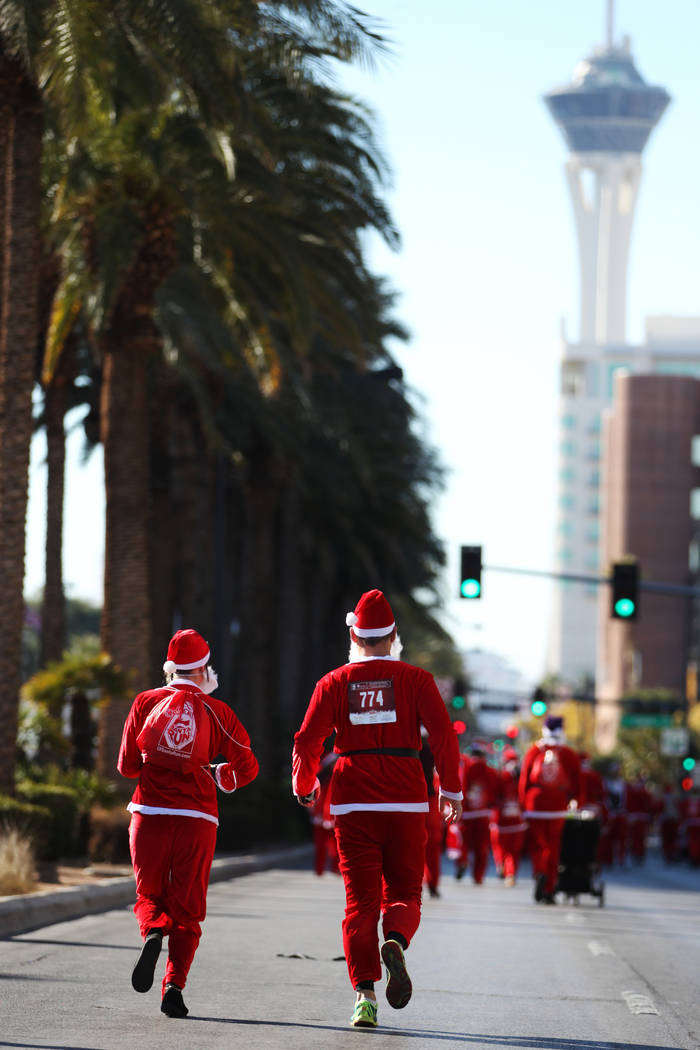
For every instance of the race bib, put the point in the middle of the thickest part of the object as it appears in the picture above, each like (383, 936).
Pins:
(371, 702)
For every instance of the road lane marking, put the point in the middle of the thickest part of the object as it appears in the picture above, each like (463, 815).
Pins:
(638, 1003)
(596, 948)
(575, 918)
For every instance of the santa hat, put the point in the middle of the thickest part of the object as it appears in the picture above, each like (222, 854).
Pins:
(372, 617)
(553, 730)
(187, 651)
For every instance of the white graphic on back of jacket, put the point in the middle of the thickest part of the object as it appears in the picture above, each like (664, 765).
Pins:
(180, 732)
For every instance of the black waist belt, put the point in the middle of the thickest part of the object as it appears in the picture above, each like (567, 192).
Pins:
(405, 752)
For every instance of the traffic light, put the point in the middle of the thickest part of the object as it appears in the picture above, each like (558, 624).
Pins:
(625, 587)
(689, 764)
(539, 703)
(687, 783)
(459, 727)
(470, 572)
(512, 732)
(458, 703)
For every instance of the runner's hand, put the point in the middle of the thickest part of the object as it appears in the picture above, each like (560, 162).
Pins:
(451, 809)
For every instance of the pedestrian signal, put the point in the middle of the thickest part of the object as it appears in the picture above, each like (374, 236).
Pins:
(458, 702)
(689, 764)
(625, 588)
(687, 783)
(512, 732)
(470, 572)
(459, 727)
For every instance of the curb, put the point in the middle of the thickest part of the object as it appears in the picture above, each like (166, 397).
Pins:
(29, 911)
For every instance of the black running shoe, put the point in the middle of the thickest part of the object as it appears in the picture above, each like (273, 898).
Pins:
(173, 1005)
(142, 974)
(399, 987)
(539, 887)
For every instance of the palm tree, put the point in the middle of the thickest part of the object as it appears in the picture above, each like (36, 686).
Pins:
(78, 52)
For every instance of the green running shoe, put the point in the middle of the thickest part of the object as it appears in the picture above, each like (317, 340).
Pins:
(398, 987)
(365, 1015)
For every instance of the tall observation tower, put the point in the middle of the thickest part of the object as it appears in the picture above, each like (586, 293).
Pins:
(606, 115)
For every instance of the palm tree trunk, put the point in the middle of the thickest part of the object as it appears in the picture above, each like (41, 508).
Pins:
(126, 614)
(130, 342)
(20, 139)
(53, 615)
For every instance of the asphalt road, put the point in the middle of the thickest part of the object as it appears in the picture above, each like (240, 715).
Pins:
(490, 969)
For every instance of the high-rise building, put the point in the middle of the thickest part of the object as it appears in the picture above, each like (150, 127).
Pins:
(606, 115)
(649, 489)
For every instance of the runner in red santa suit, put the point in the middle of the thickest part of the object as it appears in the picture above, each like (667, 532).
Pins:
(434, 825)
(480, 790)
(377, 704)
(669, 822)
(549, 781)
(689, 809)
(593, 802)
(507, 824)
(325, 852)
(171, 738)
(639, 811)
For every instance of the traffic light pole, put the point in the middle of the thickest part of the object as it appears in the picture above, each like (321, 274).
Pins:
(679, 589)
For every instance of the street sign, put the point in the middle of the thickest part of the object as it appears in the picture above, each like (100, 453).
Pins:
(674, 740)
(645, 721)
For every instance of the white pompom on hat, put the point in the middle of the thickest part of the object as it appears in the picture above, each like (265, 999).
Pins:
(372, 617)
(187, 650)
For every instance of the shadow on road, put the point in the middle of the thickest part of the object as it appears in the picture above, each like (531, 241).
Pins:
(518, 1041)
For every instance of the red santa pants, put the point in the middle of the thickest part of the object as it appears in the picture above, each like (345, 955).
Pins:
(172, 859)
(618, 838)
(475, 839)
(506, 846)
(638, 835)
(433, 847)
(325, 854)
(381, 857)
(545, 848)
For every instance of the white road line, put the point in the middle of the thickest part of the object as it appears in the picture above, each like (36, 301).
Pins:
(596, 948)
(638, 1003)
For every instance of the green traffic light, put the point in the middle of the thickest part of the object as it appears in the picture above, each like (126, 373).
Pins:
(538, 707)
(689, 763)
(458, 702)
(624, 608)
(470, 588)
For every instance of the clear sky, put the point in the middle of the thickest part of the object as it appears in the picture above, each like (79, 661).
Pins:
(488, 270)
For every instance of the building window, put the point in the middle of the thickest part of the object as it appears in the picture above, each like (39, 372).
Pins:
(568, 422)
(572, 379)
(594, 451)
(566, 528)
(695, 504)
(593, 507)
(568, 448)
(566, 474)
(695, 450)
(594, 479)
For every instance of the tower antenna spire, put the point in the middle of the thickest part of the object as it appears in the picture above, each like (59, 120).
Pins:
(610, 20)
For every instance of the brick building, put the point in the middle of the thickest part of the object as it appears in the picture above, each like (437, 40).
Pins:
(648, 480)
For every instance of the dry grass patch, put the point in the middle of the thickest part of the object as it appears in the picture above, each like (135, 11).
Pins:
(17, 865)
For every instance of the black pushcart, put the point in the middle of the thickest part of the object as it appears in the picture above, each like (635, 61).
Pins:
(578, 869)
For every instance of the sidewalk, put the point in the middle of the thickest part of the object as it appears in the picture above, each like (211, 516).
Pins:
(29, 911)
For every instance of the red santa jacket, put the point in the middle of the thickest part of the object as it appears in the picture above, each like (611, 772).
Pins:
(549, 779)
(639, 803)
(689, 808)
(507, 813)
(170, 791)
(479, 788)
(593, 790)
(376, 706)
